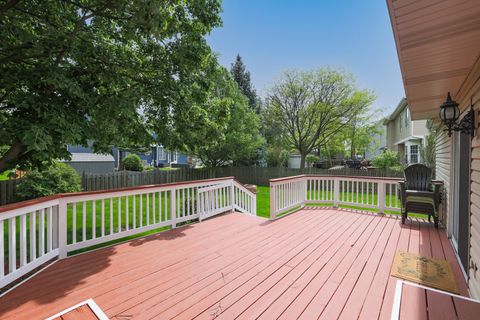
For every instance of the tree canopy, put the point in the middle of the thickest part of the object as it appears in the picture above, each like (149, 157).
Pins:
(106, 71)
(223, 129)
(307, 108)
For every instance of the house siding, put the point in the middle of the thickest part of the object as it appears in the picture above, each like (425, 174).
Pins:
(443, 154)
(474, 276)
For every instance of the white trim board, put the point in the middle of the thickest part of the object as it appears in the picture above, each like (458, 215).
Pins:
(90, 303)
(398, 296)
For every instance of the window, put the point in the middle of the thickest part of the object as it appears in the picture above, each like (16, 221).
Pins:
(407, 118)
(401, 121)
(174, 156)
(160, 153)
(413, 154)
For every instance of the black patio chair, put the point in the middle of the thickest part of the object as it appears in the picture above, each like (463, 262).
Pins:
(419, 194)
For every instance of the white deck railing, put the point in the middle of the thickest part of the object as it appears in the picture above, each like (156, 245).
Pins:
(289, 193)
(34, 232)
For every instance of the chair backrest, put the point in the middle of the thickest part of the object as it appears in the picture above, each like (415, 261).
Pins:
(418, 177)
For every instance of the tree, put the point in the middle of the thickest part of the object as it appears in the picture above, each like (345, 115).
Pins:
(223, 129)
(105, 71)
(242, 78)
(311, 107)
(428, 149)
(387, 159)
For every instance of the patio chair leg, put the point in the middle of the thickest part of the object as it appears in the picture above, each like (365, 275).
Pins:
(404, 216)
(429, 218)
(435, 221)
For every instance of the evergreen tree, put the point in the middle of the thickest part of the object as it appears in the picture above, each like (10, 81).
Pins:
(242, 78)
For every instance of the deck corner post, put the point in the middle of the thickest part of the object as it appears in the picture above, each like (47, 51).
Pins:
(336, 192)
(173, 207)
(62, 229)
(273, 201)
(381, 197)
(305, 191)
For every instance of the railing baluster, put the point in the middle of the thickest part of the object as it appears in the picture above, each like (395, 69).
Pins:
(103, 218)
(74, 222)
(119, 214)
(12, 244)
(33, 238)
(23, 240)
(2, 250)
(141, 209)
(111, 216)
(49, 229)
(94, 218)
(84, 221)
(41, 234)
(127, 220)
(134, 205)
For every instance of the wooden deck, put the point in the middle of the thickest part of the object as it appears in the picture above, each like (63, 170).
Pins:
(315, 263)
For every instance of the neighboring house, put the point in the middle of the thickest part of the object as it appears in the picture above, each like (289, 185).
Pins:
(85, 160)
(404, 135)
(439, 52)
(157, 156)
(88, 161)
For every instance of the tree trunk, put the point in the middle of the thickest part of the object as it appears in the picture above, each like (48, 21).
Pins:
(10, 159)
(302, 160)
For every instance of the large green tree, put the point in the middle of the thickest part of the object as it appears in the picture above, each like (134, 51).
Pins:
(223, 129)
(242, 77)
(106, 71)
(310, 107)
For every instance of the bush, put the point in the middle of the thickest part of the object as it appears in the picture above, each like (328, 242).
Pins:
(311, 159)
(132, 162)
(284, 157)
(58, 178)
(387, 159)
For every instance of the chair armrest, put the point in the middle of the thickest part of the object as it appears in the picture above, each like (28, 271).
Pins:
(403, 188)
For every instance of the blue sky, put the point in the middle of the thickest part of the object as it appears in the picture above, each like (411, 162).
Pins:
(274, 36)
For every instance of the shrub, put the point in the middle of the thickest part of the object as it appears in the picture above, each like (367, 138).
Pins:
(311, 159)
(58, 178)
(284, 157)
(132, 162)
(387, 159)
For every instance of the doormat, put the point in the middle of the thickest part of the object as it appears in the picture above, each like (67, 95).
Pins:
(429, 272)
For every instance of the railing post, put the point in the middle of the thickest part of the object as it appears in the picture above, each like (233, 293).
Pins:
(62, 229)
(173, 207)
(336, 192)
(381, 196)
(273, 201)
(305, 191)
(232, 195)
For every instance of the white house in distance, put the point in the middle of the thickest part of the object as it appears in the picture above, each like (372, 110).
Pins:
(404, 135)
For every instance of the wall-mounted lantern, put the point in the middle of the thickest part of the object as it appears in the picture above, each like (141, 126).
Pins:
(449, 114)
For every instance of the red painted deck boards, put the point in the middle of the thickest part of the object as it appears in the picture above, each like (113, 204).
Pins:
(315, 263)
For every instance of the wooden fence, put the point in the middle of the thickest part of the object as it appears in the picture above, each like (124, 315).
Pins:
(8, 191)
(246, 175)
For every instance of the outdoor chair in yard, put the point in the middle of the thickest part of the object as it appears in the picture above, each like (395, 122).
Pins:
(419, 194)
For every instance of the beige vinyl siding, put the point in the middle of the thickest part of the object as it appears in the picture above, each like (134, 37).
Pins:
(442, 172)
(474, 276)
